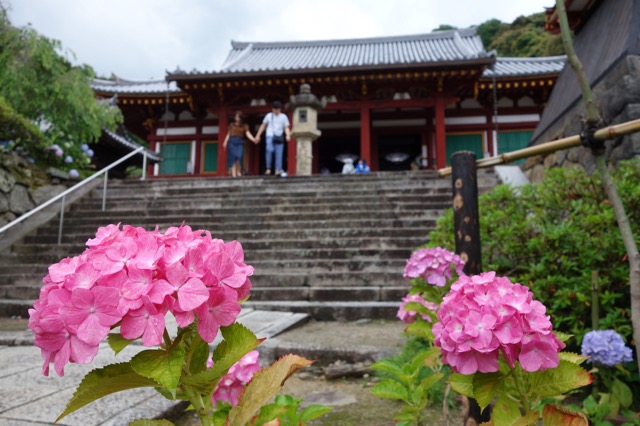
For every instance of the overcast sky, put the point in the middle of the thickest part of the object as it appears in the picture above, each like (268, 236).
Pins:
(143, 39)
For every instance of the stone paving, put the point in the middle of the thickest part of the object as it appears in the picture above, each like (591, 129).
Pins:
(29, 398)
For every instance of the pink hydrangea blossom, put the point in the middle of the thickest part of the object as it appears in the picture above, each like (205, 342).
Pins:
(132, 277)
(434, 265)
(483, 316)
(232, 384)
(410, 316)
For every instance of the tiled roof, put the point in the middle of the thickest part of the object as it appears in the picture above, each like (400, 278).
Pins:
(517, 67)
(437, 47)
(129, 144)
(121, 86)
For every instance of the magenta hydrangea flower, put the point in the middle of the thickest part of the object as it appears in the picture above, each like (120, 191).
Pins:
(133, 277)
(233, 383)
(410, 316)
(434, 265)
(483, 316)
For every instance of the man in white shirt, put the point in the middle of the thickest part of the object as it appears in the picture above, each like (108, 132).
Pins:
(277, 132)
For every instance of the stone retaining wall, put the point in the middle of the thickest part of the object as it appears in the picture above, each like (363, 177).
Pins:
(22, 188)
(618, 99)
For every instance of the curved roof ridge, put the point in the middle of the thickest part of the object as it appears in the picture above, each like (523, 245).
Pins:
(468, 32)
(231, 62)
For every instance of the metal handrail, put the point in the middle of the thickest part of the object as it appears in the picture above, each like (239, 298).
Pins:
(63, 195)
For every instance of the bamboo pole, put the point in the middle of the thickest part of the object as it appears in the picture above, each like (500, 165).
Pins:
(605, 133)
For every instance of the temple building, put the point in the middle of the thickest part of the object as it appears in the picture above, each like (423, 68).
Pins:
(393, 101)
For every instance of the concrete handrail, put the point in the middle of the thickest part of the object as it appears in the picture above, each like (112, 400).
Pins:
(77, 186)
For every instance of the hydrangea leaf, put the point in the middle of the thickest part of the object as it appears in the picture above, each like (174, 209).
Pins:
(463, 384)
(269, 412)
(117, 342)
(572, 357)
(145, 422)
(622, 392)
(505, 412)
(565, 377)
(421, 329)
(529, 419)
(163, 366)
(238, 341)
(264, 384)
(392, 367)
(553, 414)
(105, 381)
(313, 412)
(485, 387)
(417, 307)
(391, 389)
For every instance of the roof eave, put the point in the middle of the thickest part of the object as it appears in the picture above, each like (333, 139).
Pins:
(485, 61)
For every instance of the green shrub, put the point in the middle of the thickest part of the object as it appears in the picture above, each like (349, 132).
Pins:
(551, 236)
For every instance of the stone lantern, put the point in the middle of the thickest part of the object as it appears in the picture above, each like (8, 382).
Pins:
(305, 108)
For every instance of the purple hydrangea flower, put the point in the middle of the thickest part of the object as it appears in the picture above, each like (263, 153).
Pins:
(89, 153)
(68, 159)
(84, 147)
(605, 347)
(74, 173)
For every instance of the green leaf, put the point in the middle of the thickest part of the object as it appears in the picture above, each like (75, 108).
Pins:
(572, 357)
(388, 365)
(145, 422)
(463, 384)
(565, 377)
(117, 342)
(421, 329)
(238, 341)
(390, 389)
(530, 419)
(622, 392)
(417, 307)
(485, 386)
(105, 381)
(163, 366)
(268, 413)
(505, 412)
(313, 412)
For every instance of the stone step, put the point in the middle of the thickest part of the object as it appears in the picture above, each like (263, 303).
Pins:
(331, 311)
(88, 230)
(253, 235)
(383, 293)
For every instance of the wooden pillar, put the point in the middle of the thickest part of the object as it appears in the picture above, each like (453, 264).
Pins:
(365, 132)
(291, 151)
(490, 135)
(223, 124)
(466, 228)
(441, 145)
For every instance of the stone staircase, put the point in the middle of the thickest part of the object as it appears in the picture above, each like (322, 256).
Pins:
(330, 246)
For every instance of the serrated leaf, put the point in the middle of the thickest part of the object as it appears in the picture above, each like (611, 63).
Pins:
(622, 392)
(264, 384)
(565, 377)
(269, 412)
(529, 419)
(313, 412)
(105, 381)
(431, 380)
(389, 366)
(463, 384)
(417, 307)
(390, 389)
(505, 412)
(485, 386)
(553, 414)
(117, 342)
(572, 357)
(163, 366)
(421, 329)
(238, 341)
(145, 422)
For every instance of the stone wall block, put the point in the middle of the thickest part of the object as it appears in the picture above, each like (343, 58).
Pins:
(7, 181)
(573, 155)
(46, 192)
(550, 160)
(537, 174)
(4, 203)
(19, 200)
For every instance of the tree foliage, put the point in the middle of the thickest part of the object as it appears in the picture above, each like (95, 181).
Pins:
(40, 85)
(525, 37)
